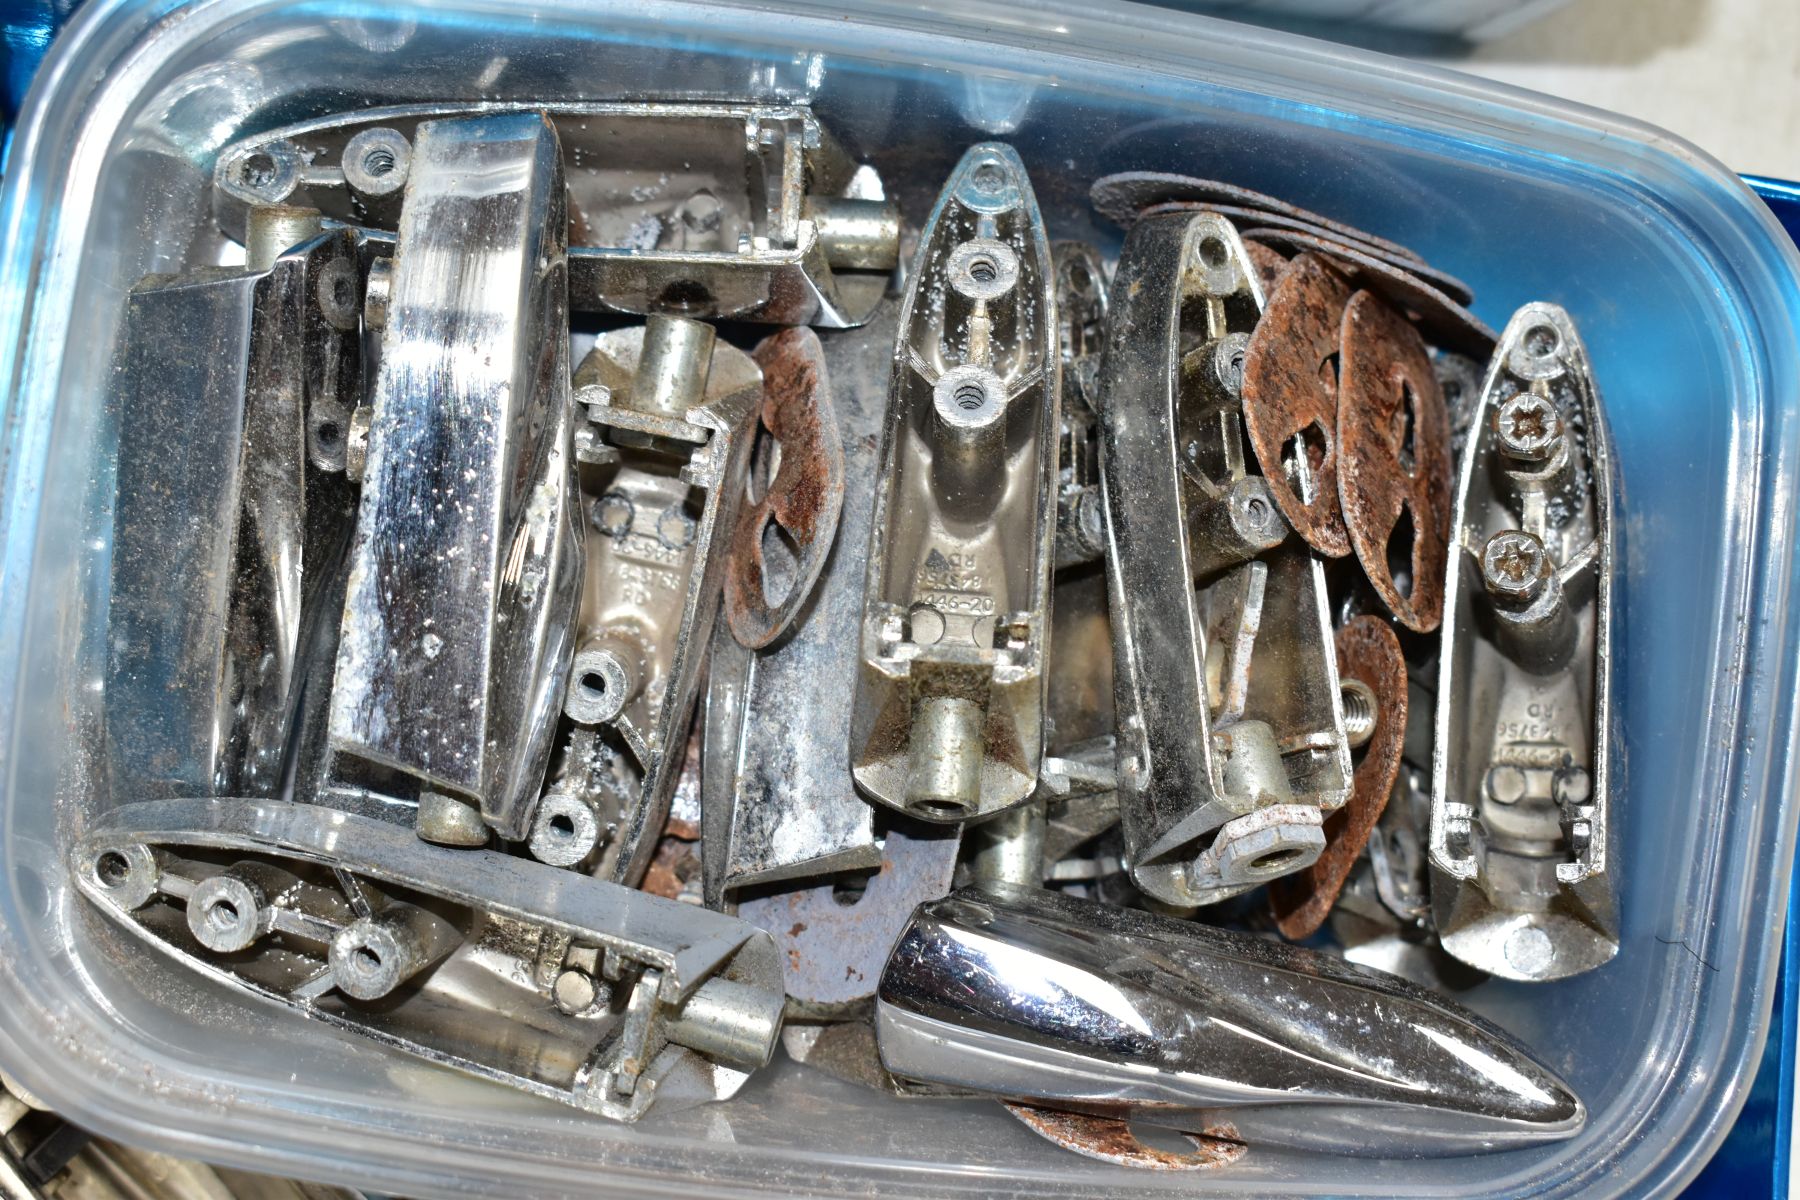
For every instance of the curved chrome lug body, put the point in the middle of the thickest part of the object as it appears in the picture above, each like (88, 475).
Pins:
(949, 714)
(1043, 998)
(466, 564)
(722, 211)
(234, 389)
(1521, 836)
(778, 798)
(1231, 727)
(544, 980)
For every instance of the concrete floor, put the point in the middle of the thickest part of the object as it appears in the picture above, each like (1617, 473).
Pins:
(1723, 74)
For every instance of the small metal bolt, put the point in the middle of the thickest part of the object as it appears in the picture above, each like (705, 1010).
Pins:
(1514, 568)
(1529, 428)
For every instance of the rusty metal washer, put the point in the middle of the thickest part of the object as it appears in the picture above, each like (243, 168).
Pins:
(1367, 652)
(805, 496)
(1291, 401)
(1393, 442)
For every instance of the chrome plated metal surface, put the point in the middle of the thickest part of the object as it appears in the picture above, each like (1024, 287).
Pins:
(466, 565)
(544, 980)
(949, 707)
(778, 795)
(1231, 729)
(233, 388)
(1521, 829)
(740, 211)
(1032, 996)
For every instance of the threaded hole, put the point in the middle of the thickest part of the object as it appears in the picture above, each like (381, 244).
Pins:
(562, 826)
(366, 960)
(983, 269)
(112, 869)
(1359, 711)
(970, 397)
(1212, 252)
(989, 178)
(378, 161)
(222, 915)
(1541, 341)
(257, 170)
(595, 684)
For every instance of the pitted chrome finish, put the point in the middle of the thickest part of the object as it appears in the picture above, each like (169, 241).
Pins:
(1231, 730)
(1521, 836)
(778, 798)
(949, 707)
(237, 386)
(543, 980)
(746, 212)
(454, 650)
(1032, 996)
(665, 446)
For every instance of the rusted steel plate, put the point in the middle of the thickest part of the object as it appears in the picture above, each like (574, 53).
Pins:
(1394, 461)
(836, 933)
(1442, 320)
(1367, 651)
(1111, 1140)
(1291, 402)
(1128, 195)
(804, 498)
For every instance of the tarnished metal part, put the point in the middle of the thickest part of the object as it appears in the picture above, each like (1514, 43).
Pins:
(466, 564)
(948, 717)
(1081, 334)
(799, 505)
(1111, 1140)
(670, 416)
(1393, 441)
(544, 980)
(1129, 195)
(1368, 655)
(1231, 739)
(1291, 381)
(747, 212)
(837, 932)
(1521, 836)
(236, 389)
(1441, 319)
(1032, 996)
(1252, 224)
(779, 798)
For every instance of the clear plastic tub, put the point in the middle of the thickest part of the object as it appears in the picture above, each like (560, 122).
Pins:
(1685, 291)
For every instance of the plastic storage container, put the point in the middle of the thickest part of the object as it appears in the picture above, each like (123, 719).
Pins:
(1684, 288)
(1476, 20)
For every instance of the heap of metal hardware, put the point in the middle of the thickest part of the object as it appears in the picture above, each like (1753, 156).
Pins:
(979, 685)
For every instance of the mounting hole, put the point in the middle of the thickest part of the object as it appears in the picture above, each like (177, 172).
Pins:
(222, 915)
(328, 433)
(378, 161)
(971, 397)
(848, 890)
(989, 178)
(375, 161)
(1542, 341)
(562, 826)
(257, 170)
(983, 268)
(939, 808)
(924, 625)
(1213, 254)
(366, 960)
(1081, 280)
(112, 869)
(1276, 860)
